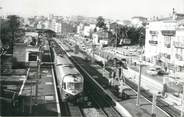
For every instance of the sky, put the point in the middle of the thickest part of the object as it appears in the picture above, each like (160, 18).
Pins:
(117, 9)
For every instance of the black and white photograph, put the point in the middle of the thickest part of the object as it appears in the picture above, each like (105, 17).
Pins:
(92, 58)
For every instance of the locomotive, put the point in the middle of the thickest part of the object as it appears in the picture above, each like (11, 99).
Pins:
(69, 79)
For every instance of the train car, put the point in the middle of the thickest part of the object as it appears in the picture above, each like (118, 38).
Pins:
(69, 79)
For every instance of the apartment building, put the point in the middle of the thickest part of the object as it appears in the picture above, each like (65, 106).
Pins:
(164, 42)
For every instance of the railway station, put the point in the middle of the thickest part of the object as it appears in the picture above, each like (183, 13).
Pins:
(92, 67)
(58, 81)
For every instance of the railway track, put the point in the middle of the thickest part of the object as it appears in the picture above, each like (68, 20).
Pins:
(67, 108)
(163, 106)
(102, 100)
(170, 110)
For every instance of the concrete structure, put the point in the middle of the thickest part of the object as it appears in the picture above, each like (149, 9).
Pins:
(24, 53)
(165, 41)
(27, 48)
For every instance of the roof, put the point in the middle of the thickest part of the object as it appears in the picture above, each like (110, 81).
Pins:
(174, 17)
(14, 72)
(139, 17)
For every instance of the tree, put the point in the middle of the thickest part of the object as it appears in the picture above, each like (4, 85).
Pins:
(5, 36)
(14, 23)
(101, 23)
(8, 28)
(119, 32)
(141, 32)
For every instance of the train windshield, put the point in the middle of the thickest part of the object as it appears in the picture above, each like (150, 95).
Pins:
(78, 86)
(74, 86)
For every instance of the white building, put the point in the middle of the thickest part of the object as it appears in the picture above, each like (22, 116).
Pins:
(138, 21)
(57, 28)
(100, 38)
(80, 28)
(88, 29)
(165, 41)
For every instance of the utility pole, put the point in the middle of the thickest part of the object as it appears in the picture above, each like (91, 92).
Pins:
(116, 35)
(139, 85)
(164, 90)
(30, 107)
(103, 68)
(38, 70)
(122, 74)
(153, 112)
(182, 103)
(93, 53)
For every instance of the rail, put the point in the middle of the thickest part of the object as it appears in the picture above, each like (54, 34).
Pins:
(111, 111)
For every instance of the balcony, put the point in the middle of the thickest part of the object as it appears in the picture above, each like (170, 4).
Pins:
(178, 45)
(153, 42)
(179, 57)
(168, 32)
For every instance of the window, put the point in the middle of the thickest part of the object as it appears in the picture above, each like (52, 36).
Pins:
(33, 56)
(154, 37)
(167, 41)
(70, 86)
(64, 85)
(74, 86)
(78, 86)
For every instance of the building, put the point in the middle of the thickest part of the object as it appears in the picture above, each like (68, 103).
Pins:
(27, 49)
(88, 29)
(80, 29)
(138, 21)
(164, 42)
(68, 28)
(100, 38)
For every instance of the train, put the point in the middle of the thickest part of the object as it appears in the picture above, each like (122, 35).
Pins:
(69, 79)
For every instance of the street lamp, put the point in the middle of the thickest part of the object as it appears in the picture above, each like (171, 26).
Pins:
(139, 83)
(182, 103)
(38, 77)
(103, 68)
(154, 104)
(93, 53)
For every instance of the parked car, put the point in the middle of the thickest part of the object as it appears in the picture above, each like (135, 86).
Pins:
(152, 71)
(156, 70)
